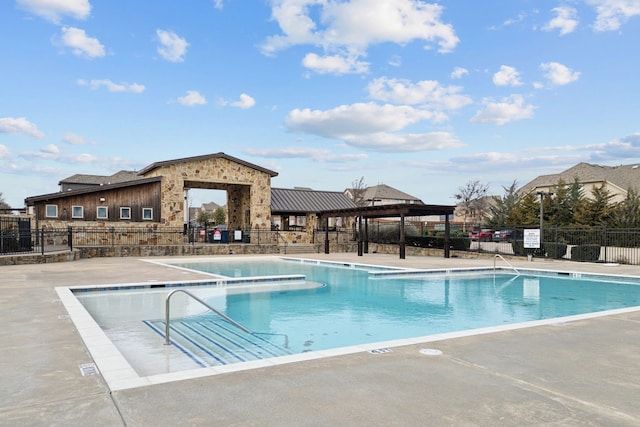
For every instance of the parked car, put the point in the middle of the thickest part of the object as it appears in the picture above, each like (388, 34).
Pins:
(481, 234)
(503, 236)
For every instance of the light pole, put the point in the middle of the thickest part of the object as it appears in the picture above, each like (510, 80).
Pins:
(542, 195)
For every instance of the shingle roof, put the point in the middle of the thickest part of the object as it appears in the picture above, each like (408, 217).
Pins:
(383, 191)
(623, 176)
(284, 200)
(117, 177)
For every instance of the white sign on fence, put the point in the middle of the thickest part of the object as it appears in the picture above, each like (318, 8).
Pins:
(532, 238)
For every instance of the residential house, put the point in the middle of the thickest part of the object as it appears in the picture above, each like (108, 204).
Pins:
(616, 179)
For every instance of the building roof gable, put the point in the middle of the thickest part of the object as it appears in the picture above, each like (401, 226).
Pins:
(86, 179)
(220, 155)
(623, 176)
(383, 191)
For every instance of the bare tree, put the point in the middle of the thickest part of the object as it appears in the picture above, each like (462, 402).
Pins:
(357, 190)
(471, 200)
(3, 204)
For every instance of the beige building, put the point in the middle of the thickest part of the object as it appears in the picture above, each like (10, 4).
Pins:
(616, 179)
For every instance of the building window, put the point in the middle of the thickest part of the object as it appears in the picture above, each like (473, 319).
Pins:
(125, 213)
(102, 212)
(77, 212)
(147, 214)
(51, 211)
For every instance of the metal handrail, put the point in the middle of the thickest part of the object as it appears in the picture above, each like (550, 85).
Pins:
(508, 263)
(167, 317)
(278, 237)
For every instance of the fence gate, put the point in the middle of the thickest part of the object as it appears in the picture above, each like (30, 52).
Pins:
(15, 235)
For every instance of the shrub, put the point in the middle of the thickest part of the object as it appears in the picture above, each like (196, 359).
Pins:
(520, 250)
(585, 253)
(457, 243)
(555, 249)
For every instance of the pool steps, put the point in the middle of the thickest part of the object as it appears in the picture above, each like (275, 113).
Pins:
(215, 341)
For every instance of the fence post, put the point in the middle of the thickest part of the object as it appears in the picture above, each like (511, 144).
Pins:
(70, 237)
(113, 236)
(604, 236)
(42, 241)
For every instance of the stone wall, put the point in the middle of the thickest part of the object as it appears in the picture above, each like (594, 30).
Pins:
(249, 190)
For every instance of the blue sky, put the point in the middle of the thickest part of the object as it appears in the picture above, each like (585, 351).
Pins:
(421, 96)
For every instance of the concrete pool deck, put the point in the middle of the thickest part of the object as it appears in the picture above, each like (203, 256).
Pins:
(584, 372)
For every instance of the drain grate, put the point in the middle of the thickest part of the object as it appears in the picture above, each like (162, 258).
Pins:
(380, 351)
(88, 369)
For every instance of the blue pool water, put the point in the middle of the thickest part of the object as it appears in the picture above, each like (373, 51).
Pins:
(357, 306)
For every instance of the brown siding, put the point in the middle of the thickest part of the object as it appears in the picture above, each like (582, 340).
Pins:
(136, 198)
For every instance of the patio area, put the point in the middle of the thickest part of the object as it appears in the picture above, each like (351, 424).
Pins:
(576, 373)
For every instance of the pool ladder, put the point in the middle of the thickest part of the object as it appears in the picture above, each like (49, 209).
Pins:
(507, 262)
(167, 316)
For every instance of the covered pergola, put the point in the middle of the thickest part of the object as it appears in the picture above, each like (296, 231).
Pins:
(363, 214)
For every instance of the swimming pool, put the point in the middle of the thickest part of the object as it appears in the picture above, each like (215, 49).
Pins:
(314, 309)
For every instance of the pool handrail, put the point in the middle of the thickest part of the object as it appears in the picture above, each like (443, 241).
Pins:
(507, 262)
(167, 316)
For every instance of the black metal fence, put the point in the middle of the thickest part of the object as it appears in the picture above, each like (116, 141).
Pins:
(591, 244)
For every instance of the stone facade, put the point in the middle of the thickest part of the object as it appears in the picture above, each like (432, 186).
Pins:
(248, 190)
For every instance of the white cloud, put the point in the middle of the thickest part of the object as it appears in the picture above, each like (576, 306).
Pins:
(559, 74)
(81, 44)
(507, 110)
(565, 20)
(428, 93)
(4, 152)
(73, 139)
(623, 149)
(50, 149)
(346, 29)
(355, 119)
(411, 142)
(192, 98)
(217, 4)
(507, 76)
(172, 47)
(459, 72)
(19, 125)
(54, 10)
(245, 102)
(316, 154)
(334, 64)
(613, 13)
(371, 126)
(113, 87)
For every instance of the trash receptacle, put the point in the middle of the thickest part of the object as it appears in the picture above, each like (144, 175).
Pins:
(245, 238)
(225, 236)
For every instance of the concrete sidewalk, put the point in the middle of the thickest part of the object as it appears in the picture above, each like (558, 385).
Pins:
(579, 373)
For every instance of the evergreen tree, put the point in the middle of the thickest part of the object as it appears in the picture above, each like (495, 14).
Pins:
(527, 212)
(597, 210)
(503, 207)
(627, 213)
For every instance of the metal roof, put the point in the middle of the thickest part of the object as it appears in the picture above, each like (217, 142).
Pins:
(387, 211)
(302, 201)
